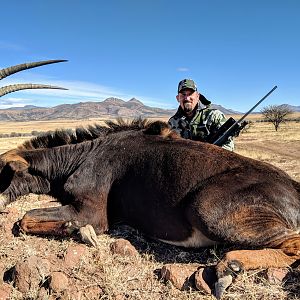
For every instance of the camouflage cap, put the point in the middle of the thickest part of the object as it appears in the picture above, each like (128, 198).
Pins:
(187, 84)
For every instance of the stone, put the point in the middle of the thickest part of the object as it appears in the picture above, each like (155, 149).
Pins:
(6, 226)
(5, 291)
(181, 276)
(30, 273)
(87, 293)
(59, 282)
(205, 279)
(2, 271)
(93, 292)
(276, 275)
(123, 247)
(73, 255)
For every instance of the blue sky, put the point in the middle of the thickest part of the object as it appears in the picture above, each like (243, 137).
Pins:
(236, 51)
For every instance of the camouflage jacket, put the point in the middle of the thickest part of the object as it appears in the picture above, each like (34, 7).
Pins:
(206, 121)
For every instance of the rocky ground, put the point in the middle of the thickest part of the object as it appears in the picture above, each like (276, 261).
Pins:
(125, 266)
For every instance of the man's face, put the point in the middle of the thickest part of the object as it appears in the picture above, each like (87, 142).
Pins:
(188, 100)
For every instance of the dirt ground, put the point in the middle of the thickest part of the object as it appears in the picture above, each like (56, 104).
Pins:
(84, 272)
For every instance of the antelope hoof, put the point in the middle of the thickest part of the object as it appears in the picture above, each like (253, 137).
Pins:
(88, 235)
(226, 272)
(221, 285)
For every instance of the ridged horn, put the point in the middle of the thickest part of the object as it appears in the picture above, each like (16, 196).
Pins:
(17, 68)
(17, 87)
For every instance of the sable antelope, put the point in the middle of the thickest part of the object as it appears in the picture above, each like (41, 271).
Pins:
(17, 68)
(179, 191)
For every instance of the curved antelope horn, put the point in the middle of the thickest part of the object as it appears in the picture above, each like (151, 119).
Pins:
(17, 68)
(16, 87)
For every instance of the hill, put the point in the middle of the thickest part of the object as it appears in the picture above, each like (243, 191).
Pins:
(293, 107)
(111, 107)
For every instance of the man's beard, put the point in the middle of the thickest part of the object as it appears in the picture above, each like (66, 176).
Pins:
(188, 107)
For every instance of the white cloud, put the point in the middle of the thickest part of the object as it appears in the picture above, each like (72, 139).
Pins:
(78, 91)
(14, 102)
(183, 69)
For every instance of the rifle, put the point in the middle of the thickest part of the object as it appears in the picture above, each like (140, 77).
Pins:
(232, 127)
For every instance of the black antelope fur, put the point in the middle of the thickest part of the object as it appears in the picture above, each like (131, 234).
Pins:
(176, 190)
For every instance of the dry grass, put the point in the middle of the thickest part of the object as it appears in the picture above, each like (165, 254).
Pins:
(26, 127)
(137, 277)
(281, 148)
(259, 116)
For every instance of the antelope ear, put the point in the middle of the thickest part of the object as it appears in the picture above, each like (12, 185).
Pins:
(18, 166)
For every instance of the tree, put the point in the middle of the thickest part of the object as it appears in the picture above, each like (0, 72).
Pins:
(276, 114)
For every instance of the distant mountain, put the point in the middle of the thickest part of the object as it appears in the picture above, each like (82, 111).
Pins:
(225, 110)
(110, 107)
(293, 108)
(23, 107)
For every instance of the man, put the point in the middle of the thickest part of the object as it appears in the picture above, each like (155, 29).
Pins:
(194, 118)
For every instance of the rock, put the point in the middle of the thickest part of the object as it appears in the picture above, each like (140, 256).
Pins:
(6, 226)
(181, 276)
(2, 271)
(276, 275)
(58, 282)
(73, 255)
(205, 279)
(88, 293)
(5, 291)
(30, 273)
(123, 247)
(93, 292)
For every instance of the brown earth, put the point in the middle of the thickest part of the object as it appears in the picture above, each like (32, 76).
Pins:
(127, 265)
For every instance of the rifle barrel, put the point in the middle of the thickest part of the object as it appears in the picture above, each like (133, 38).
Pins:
(259, 102)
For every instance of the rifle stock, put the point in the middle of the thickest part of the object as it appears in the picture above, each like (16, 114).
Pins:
(232, 131)
(213, 137)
